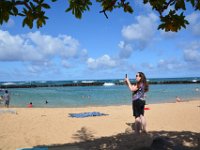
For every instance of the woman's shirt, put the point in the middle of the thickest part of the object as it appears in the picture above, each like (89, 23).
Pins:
(139, 94)
(6, 97)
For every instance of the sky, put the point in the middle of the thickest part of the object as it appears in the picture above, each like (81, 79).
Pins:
(94, 47)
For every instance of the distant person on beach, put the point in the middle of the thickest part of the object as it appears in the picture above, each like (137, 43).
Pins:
(6, 98)
(138, 102)
(30, 105)
(1, 99)
(46, 102)
(178, 99)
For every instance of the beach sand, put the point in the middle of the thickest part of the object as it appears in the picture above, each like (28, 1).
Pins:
(172, 124)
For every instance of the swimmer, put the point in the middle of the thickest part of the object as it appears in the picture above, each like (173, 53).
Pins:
(30, 105)
(178, 99)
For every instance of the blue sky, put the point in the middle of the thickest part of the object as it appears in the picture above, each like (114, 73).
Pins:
(94, 47)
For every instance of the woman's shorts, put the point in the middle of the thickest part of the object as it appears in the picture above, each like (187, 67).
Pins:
(138, 107)
(7, 103)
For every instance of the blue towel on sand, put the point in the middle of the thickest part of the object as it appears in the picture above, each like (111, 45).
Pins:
(36, 148)
(86, 114)
(3, 111)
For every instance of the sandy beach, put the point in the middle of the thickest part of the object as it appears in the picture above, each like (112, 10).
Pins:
(175, 124)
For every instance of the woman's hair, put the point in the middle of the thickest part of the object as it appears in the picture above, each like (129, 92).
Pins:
(143, 81)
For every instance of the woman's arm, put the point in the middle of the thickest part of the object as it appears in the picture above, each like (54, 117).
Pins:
(132, 88)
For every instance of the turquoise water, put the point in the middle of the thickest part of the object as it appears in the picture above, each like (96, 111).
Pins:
(81, 96)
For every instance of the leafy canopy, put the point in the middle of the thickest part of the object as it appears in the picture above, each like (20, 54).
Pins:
(33, 12)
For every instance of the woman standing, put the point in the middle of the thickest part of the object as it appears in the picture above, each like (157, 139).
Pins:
(138, 100)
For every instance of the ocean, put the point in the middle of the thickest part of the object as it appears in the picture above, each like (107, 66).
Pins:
(84, 93)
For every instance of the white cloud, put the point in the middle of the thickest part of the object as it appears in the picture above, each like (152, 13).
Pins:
(138, 35)
(65, 64)
(103, 62)
(192, 18)
(11, 47)
(83, 54)
(40, 67)
(36, 47)
(147, 65)
(192, 54)
(125, 49)
(142, 30)
(170, 64)
(39, 53)
(63, 45)
(194, 23)
(34, 69)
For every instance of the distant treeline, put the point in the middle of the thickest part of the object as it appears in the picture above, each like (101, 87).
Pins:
(90, 84)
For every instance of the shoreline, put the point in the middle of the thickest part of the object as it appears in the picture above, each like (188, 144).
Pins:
(43, 106)
(53, 128)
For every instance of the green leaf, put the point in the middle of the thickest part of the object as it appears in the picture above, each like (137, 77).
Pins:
(78, 14)
(198, 5)
(173, 22)
(27, 22)
(15, 11)
(32, 5)
(46, 6)
(30, 23)
(39, 23)
(20, 14)
(5, 16)
(1, 17)
(68, 9)
(128, 9)
(180, 4)
(24, 22)
(192, 2)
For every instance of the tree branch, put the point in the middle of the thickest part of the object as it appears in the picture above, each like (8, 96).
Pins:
(104, 11)
(23, 3)
(165, 7)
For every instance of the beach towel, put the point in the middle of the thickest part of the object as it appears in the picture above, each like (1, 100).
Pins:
(35, 148)
(10, 111)
(86, 114)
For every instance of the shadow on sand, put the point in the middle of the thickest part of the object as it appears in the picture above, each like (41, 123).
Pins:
(154, 140)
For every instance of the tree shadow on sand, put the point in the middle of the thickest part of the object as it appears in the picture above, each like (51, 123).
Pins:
(154, 140)
(83, 134)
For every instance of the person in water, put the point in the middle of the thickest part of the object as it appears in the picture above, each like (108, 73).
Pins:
(30, 105)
